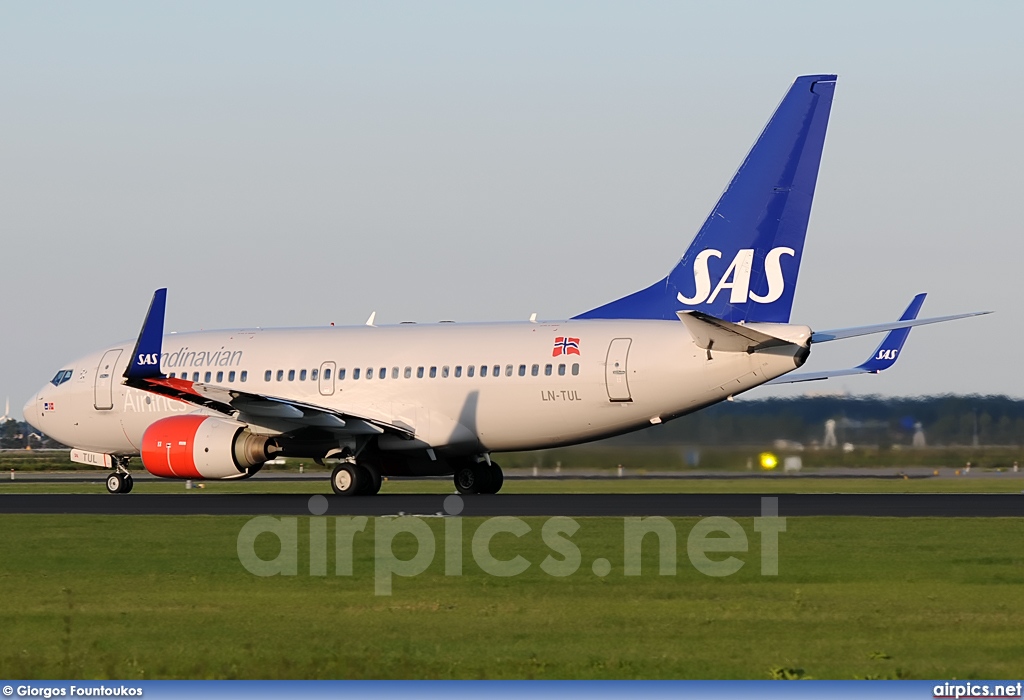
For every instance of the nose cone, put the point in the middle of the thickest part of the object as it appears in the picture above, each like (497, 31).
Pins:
(29, 412)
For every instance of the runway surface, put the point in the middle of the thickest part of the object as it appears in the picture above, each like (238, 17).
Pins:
(573, 505)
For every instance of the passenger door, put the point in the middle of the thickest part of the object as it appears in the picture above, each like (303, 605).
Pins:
(103, 389)
(615, 371)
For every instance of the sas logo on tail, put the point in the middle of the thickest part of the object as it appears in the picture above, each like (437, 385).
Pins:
(148, 359)
(887, 354)
(737, 278)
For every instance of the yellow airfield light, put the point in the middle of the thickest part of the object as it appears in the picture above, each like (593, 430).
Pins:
(768, 460)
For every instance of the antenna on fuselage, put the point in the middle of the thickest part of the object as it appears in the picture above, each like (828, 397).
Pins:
(369, 321)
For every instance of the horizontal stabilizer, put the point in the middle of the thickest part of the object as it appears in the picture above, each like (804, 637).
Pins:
(884, 356)
(709, 332)
(840, 333)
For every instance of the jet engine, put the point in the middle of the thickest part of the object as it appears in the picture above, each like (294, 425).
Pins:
(204, 447)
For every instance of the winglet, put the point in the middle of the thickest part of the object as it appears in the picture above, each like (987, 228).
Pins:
(145, 361)
(889, 349)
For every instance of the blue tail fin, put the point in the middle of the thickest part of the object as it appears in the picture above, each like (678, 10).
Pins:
(889, 349)
(743, 263)
(145, 361)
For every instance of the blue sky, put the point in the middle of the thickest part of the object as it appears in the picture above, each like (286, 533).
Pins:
(283, 164)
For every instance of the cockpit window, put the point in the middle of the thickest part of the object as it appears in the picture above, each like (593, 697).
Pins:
(61, 377)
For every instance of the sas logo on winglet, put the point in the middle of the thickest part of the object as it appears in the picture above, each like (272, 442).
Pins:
(737, 278)
(148, 359)
(887, 354)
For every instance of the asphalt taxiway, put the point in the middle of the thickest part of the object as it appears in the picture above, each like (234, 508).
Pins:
(546, 505)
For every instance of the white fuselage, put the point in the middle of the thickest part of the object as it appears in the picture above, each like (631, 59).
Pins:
(429, 378)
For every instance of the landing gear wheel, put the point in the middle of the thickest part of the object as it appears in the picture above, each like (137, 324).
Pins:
(115, 483)
(493, 478)
(373, 480)
(347, 479)
(467, 479)
(129, 482)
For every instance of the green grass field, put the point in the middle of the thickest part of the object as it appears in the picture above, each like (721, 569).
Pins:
(166, 597)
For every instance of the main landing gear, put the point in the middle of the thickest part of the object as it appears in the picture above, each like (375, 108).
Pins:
(481, 477)
(355, 479)
(120, 481)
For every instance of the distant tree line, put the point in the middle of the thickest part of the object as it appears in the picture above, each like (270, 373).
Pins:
(946, 421)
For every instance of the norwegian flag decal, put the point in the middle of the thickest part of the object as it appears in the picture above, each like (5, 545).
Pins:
(48, 406)
(566, 346)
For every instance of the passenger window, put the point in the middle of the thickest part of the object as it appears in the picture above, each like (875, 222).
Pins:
(394, 373)
(341, 374)
(535, 370)
(267, 375)
(419, 373)
(458, 370)
(206, 377)
(369, 372)
(280, 375)
(444, 372)
(433, 372)
(195, 376)
(496, 370)
(469, 371)
(522, 370)
(231, 376)
(245, 375)
(408, 372)
(561, 370)
(291, 375)
(220, 377)
(302, 376)
(314, 375)
(483, 370)
(382, 373)
(508, 370)
(327, 374)
(171, 376)
(575, 368)
(355, 373)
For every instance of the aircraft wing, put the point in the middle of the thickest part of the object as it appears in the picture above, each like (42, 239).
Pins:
(251, 407)
(884, 356)
(144, 373)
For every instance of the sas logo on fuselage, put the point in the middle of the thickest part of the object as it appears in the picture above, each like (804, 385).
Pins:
(887, 354)
(148, 359)
(737, 277)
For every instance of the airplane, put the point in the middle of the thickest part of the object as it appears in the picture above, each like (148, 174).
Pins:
(440, 399)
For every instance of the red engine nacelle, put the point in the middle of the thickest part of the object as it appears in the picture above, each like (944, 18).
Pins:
(203, 447)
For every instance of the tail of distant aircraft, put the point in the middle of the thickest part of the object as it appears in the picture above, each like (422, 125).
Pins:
(743, 263)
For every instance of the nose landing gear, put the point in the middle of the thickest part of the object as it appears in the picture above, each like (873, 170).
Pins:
(120, 481)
